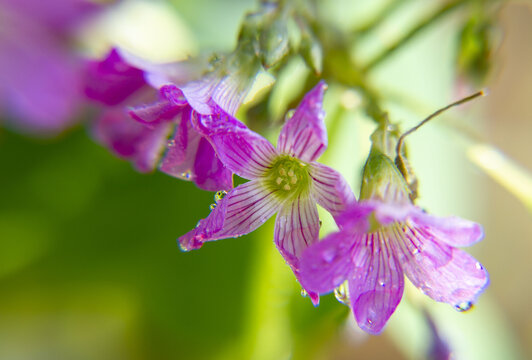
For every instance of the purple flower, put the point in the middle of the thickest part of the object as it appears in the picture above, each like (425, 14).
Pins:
(40, 84)
(385, 236)
(162, 133)
(285, 180)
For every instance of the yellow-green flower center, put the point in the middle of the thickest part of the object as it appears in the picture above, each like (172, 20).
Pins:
(288, 175)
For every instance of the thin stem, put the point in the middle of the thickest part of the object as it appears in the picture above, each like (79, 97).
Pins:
(388, 9)
(433, 115)
(431, 19)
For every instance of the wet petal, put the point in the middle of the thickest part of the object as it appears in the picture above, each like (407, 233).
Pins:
(296, 228)
(376, 284)
(444, 273)
(170, 105)
(241, 211)
(210, 173)
(327, 264)
(241, 150)
(304, 135)
(191, 157)
(112, 80)
(330, 189)
(226, 92)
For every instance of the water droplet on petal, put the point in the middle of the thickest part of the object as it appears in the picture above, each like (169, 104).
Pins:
(382, 282)
(170, 143)
(415, 251)
(212, 206)
(463, 306)
(342, 294)
(479, 266)
(328, 255)
(219, 195)
(304, 293)
(186, 175)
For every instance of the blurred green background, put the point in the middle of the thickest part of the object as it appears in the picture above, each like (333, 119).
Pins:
(90, 268)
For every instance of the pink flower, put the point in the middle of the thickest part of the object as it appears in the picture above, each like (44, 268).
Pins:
(161, 134)
(385, 236)
(285, 180)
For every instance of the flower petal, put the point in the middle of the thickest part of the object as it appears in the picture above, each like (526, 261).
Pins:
(327, 264)
(191, 157)
(131, 140)
(444, 273)
(329, 189)
(210, 173)
(171, 104)
(112, 80)
(241, 211)
(241, 150)
(297, 227)
(304, 135)
(452, 230)
(157, 74)
(376, 284)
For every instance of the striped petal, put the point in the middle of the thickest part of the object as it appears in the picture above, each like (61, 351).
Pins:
(376, 284)
(191, 157)
(296, 228)
(304, 135)
(329, 189)
(241, 150)
(327, 264)
(444, 273)
(454, 231)
(241, 211)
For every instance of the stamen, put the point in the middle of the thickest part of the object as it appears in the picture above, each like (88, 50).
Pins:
(282, 172)
(279, 181)
(286, 187)
(290, 172)
(293, 180)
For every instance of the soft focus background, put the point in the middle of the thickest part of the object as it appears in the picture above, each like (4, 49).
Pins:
(90, 269)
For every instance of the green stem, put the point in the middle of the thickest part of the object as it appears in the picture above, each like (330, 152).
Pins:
(428, 21)
(382, 15)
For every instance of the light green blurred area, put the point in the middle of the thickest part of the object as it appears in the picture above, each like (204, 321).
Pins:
(90, 269)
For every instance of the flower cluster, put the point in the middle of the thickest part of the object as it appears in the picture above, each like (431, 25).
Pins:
(189, 131)
(161, 134)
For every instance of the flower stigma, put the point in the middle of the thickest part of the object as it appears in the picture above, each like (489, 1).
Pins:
(288, 176)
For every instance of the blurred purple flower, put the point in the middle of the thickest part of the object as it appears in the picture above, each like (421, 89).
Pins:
(284, 180)
(40, 83)
(385, 236)
(143, 133)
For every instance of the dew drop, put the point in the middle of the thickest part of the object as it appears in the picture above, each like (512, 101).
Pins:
(382, 282)
(341, 294)
(170, 143)
(212, 206)
(415, 251)
(186, 175)
(304, 293)
(328, 255)
(463, 306)
(479, 266)
(219, 195)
